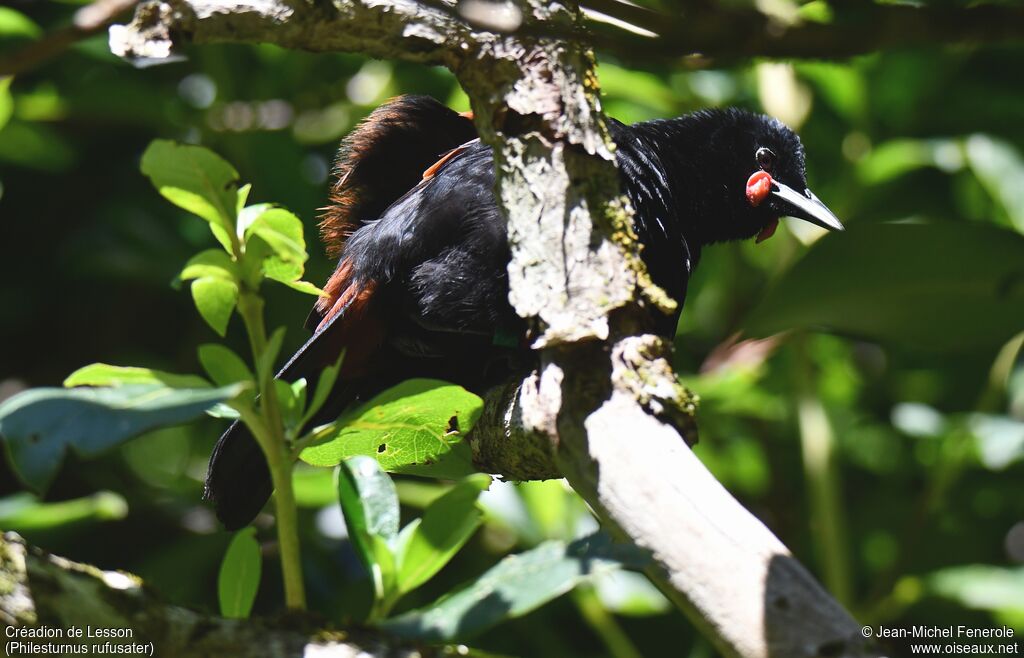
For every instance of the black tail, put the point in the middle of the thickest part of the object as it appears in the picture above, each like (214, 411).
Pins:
(238, 480)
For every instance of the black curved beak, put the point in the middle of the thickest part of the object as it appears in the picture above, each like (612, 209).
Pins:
(804, 206)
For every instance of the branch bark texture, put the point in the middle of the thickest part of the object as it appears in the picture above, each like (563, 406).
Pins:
(423, 30)
(42, 590)
(604, 405)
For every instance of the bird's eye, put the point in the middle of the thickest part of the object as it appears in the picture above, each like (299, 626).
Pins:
(765, 159)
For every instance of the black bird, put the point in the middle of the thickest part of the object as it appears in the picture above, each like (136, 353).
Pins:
(421, 287)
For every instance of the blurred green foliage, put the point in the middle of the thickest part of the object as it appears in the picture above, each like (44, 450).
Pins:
(890, 463)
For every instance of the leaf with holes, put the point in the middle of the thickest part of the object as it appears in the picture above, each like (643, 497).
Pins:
(416, 427)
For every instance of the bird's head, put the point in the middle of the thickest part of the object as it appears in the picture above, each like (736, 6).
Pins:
(750, 173)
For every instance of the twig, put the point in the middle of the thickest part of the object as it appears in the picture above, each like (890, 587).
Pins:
(86, 22)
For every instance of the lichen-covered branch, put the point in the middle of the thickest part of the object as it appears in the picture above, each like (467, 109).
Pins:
(39, 590)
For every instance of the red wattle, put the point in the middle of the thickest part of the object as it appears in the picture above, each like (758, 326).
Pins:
(758, 186)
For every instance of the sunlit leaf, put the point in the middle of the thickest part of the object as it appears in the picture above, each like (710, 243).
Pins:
(631, 594)
(215, 299)
(415, 427)
(239, 577)
(428, 544)
(102, 374)
(24, 512)
(981, 587)
(39, 425)
(282, 230)
(1000, 168)
(16, 24)
(213, 263)
(6, 102)
(515, 586)
(222, 365)
(1000, 439)
(195, 179)
(303, 286)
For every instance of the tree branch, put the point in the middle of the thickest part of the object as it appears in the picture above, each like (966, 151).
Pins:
(604, 403)
(42, 590)
(379, 28)
(86, 22)
(742, 33)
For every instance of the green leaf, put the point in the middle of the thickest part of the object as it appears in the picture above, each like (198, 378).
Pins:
(416, 427)
(247, 216)
(239, 577)
(314, 487)
(24, 512)
(370, 506)
(215, 299)
(16, 24)
(303, 286)
(102, 374)
(195, 179)
(515, 586)
(40, 424)
(274, 236)
(895, 282)
(999, 167)
(36, 146)
(282, 271)
(999, 439)
(282, 230)
(324, 386)
(631, 594)
(243, 196)
(225, 411)
(222, 365)
(446, 525)
(6, 102)
(210, 263)
(290, 404)
(981, 587)
(269, 356)
(384, 573)
(299, 391)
